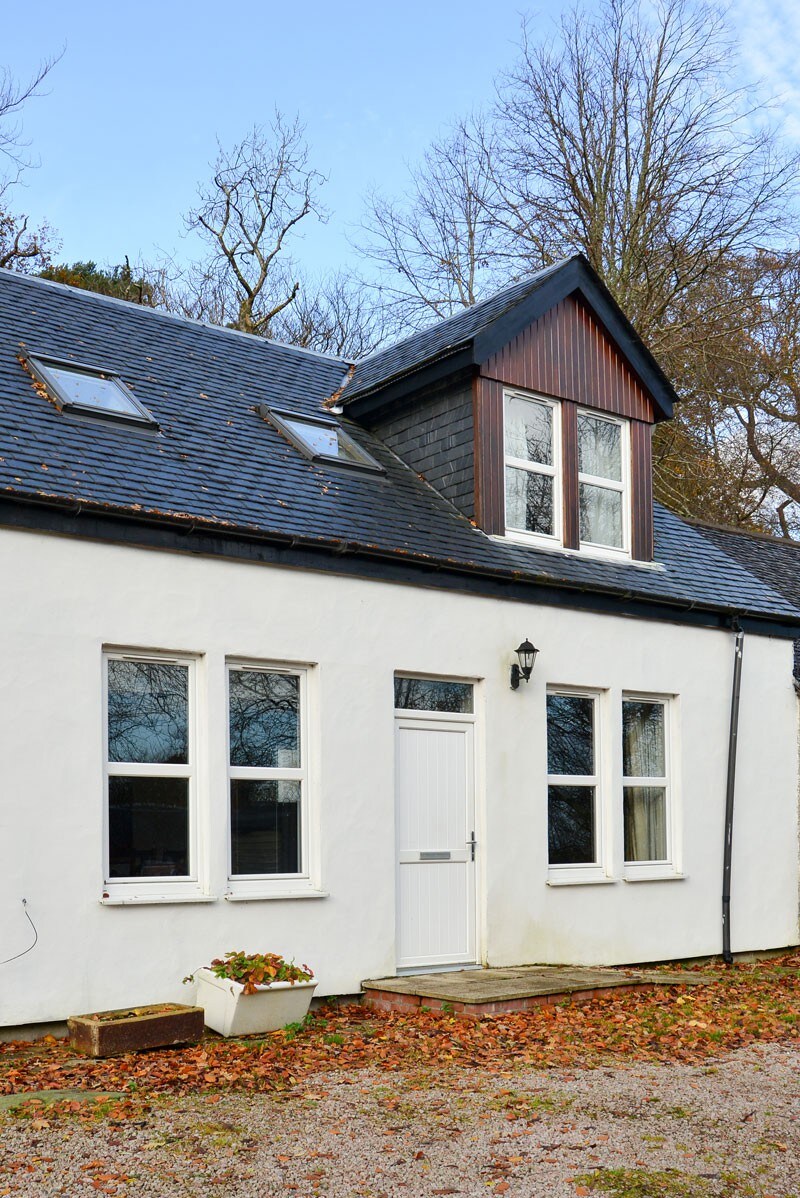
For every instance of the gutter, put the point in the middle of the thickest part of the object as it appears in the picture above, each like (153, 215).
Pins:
(730, 789)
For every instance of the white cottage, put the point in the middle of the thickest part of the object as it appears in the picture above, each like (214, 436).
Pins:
(260, 618)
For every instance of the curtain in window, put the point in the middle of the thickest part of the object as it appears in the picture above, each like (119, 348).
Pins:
(600, 515)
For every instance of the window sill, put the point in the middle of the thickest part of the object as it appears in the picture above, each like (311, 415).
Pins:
(656, 875)
(580, 880)
(144, 900)
(276, 896)
(587, 552)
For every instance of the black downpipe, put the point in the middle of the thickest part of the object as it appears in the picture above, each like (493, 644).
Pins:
(727, 955)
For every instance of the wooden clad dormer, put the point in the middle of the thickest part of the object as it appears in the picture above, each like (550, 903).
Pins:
(532, 412)
(565, 356)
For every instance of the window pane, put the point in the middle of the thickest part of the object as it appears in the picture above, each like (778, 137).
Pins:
(643, 753)
(570, 816)
(645, 820)
(600, 515)
(570, 734)
(599, 447)
(529, 501)
(92, 391)
(529, 430)
(325, 439)
(425, 694)
(265, 719)
(148, 821)
(265, 827)
(148, 707)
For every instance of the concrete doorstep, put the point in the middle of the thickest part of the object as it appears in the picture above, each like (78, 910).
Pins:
(497, 991)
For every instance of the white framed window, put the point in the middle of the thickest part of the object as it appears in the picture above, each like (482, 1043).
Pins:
(649, 816)
(575, 832)
(151, 848)
(532, 440)
(268, 777)
(603, 482)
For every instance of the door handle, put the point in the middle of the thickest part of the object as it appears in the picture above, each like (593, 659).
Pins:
(472, 843)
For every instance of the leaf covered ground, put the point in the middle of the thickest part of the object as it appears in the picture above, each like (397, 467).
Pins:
(746, 1004)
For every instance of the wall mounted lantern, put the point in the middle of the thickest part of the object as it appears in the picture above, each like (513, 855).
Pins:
(527, 656)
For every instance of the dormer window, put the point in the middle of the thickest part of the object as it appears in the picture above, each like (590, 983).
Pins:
(566, 470)
(321, 439)
(90, 391)
(533, 468)
(602, 483)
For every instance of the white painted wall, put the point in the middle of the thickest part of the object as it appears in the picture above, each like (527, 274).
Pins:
(61, 600)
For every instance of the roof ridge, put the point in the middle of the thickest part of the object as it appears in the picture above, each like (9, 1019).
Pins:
(536, 276)
(85, 293)
(714, 526)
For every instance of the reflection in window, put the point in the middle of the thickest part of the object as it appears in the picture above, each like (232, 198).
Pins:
(530, 465)
(429, 694)
(264, 719)
(267, 772)
(644, 767)
(601, 488)
(92, 392)
(150, 775)
(147, 712)
(572, 780)
(322, 439)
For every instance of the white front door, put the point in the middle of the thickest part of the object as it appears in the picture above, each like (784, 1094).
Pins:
(435, 789)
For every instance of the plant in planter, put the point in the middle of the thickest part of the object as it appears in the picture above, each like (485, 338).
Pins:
(244, 994)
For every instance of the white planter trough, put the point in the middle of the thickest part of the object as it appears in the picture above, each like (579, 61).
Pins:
(231, 1012)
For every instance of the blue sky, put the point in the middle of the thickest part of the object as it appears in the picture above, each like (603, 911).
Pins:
(133, 109)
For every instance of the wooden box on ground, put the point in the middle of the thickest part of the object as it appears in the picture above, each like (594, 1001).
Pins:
(108, 1033)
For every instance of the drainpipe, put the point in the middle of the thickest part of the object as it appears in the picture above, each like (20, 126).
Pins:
(727, 955)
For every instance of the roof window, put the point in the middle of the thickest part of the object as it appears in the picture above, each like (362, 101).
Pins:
(90, 391)
(321, 439)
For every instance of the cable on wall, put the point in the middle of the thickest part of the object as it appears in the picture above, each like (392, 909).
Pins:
(31, 946)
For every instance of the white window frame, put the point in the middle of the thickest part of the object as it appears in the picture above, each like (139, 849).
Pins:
(556, 538)
(242, 886)
(157, 889)
(596, 871)
(609, 484)
(670, 867)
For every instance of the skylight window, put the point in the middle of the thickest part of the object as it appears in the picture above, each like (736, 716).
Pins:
(90, 391)
(322, 440)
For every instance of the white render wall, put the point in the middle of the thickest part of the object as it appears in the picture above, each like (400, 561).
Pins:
(62, 600)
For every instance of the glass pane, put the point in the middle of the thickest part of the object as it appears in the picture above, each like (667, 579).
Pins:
(265, 719)
(92, 391)
(148, 827)
(425, 694)
(600, 515)
(529, 501)
(570, 823)
(529, 430)
(265, 827)
(326, 439)
(643, 753)
(599, 447)
(645, 819)
(570, 734)
(148, 712)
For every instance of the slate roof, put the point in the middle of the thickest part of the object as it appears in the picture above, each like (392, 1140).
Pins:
(217, 465)
(499, 318)
(775, 560)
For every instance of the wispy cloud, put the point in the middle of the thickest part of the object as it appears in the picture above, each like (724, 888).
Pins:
(769, 37)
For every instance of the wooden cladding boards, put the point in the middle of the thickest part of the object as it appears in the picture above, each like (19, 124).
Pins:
(436, 438)
(490, 471)
(567, 354)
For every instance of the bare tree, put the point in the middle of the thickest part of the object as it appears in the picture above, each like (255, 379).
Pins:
(436, 247)
(22, 247)
(339, 317)
(624, 139)
(261, 190)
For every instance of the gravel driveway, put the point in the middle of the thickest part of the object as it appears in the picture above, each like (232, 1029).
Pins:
(724, 1128)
